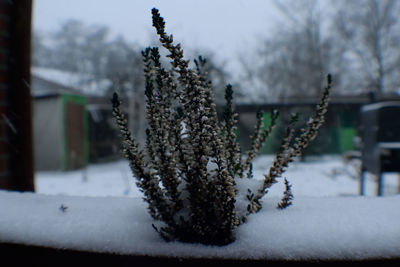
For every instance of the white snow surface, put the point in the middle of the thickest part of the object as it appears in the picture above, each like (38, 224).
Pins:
(318, 177)
(327, 220)
(315, 228)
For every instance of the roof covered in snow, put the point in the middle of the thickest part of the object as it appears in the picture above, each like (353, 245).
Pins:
(59, 81)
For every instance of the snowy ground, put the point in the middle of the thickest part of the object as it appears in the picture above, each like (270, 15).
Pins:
(324, 176)
(314, 228)
(327, 220)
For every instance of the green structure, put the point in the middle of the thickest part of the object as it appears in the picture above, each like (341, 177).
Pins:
(335, 137)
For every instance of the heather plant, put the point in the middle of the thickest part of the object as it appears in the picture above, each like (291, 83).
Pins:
(195, 178)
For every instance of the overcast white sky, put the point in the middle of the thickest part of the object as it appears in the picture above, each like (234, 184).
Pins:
(225, 27)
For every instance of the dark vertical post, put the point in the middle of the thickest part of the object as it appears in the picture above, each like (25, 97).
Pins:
(379, 191)
(16, 148)
(398, 183)
(362, 183)
(379, 174)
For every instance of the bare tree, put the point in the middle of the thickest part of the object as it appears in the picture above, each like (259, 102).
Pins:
(294, 60)
(370, 34)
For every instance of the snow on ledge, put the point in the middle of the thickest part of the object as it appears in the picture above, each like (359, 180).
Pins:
(314, 228)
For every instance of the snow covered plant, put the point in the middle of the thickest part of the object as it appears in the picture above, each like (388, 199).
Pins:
(194, 177)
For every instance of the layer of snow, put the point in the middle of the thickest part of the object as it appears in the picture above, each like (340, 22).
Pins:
(315, 228)
(327, 220)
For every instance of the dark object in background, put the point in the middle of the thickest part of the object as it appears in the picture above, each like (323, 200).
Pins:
(380, 134)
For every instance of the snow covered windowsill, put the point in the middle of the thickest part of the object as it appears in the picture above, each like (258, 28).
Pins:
(315, 228)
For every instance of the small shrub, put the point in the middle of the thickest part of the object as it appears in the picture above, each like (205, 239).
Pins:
(192, 172)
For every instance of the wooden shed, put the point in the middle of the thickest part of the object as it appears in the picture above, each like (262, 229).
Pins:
(60, 132)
